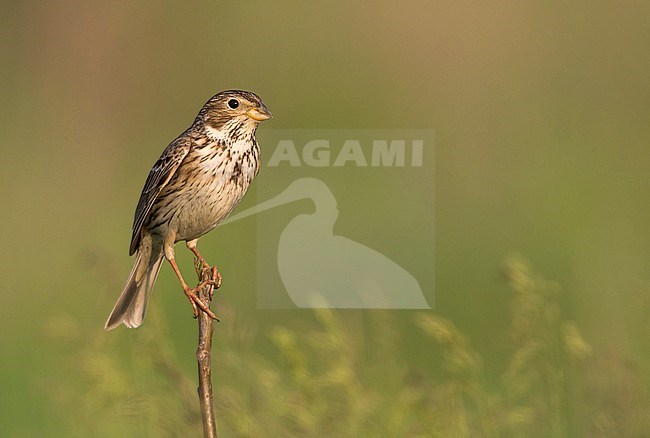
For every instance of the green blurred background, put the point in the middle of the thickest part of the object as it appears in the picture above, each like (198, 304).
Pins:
(541, 114)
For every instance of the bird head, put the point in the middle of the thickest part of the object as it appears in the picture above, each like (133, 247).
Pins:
(233, 108)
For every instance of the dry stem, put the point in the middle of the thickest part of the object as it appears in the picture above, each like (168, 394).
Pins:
(203, 356)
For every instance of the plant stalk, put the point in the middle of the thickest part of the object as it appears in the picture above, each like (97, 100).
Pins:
(204, 359)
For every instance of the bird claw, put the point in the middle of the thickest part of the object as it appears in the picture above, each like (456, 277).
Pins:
(197, 303)
(201, 267)
(215, 279)
(214, 282)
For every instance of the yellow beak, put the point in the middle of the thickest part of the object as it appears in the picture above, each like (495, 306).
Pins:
(260, 113)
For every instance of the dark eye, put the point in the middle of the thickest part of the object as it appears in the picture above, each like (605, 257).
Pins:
(233, 103)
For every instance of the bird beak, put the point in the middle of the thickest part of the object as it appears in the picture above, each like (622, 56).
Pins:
(260, 113)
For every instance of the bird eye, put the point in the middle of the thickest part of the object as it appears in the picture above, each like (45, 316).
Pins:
(233, 103)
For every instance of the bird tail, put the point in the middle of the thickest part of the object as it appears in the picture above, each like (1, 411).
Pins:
(132, 304)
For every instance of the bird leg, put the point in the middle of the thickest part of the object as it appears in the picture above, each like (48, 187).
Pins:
(201, 265)
(192, 294)
(200, 260)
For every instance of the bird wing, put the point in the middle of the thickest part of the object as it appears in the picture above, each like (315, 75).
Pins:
(158, 178)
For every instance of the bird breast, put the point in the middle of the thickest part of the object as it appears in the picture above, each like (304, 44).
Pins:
(209, 185)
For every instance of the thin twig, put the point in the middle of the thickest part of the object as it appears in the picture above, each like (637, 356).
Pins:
(203, 355)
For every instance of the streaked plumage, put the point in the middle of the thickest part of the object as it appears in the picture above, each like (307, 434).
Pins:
(195, 184)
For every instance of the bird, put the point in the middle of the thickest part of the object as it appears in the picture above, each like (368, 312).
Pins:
(198, 180)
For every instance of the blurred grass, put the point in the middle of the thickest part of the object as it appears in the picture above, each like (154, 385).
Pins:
(329, 380)
(541, 116)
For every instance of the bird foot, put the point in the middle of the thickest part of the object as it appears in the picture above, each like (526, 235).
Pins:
(201, 267)
(214, 282)
(197, 303)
